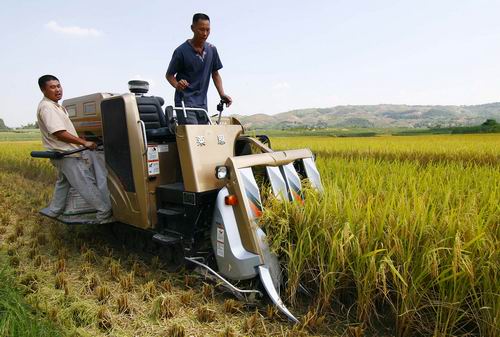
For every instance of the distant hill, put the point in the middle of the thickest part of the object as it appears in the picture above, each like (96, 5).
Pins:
(378, 116)
(2, 125)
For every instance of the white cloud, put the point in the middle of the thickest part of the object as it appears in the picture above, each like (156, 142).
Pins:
(281, 85)
(73, 30)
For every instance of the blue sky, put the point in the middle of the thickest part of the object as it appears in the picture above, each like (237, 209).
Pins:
(277, 55)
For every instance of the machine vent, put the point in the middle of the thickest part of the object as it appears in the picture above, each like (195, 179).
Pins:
(116, 141)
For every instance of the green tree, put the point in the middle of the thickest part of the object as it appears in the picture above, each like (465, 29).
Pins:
(30, 126)
(490, 122)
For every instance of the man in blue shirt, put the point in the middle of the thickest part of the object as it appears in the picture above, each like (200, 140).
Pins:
(192, 64)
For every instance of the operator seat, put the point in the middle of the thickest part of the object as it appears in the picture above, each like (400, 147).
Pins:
(150, 112)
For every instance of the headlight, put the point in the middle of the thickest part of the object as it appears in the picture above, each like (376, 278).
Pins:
(221, 172)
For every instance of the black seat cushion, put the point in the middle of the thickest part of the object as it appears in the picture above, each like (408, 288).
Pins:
(160, 133)
(150, 112)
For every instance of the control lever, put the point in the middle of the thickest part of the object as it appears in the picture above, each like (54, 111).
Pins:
(220, 108)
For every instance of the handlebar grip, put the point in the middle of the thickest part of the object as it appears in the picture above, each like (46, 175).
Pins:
(47, 154)
(55, 154)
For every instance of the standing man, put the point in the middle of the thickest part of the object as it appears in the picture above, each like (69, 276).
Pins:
(59, 134)
(192, 64)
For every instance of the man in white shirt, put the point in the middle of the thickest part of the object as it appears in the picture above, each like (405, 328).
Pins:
(59, 134)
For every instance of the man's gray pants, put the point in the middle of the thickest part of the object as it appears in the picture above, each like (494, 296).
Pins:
(76, 172)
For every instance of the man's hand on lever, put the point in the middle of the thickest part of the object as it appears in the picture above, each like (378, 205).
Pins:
(67, 137)
(181, 85)
(90, 145)
(227, 99)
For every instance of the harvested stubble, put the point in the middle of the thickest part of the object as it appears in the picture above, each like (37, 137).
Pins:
(149, 290)
(205, 314)
(207, 291)
(123, 304)
(164, 307)
(79, 313)
(60, 265)
(30, 281)
(155, 262)
(38, 261)
(187, 298)
(104, 319)
(14, 261)
(12, 238)
(176, 330)
(32, 253)
(166, 285)
(19, 229)
(103, 293)
(232, 306)
(228, 332)
(189, 281)
(312, 320)
(139, 269)
(85, 270)
(11, 250)
(63, 253)
(127, 281)
(89, 256)
(61, 281)
(41, 239)
(253, 325)
(114, 269)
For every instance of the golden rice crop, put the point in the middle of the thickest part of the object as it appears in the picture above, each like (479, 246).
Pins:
(395, 238)
(478, 149)
(15, 157)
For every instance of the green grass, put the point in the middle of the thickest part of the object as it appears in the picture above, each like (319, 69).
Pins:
(16, 317)
(326, 132)
(20, 135)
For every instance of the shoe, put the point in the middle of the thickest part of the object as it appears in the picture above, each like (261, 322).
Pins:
(48, 213)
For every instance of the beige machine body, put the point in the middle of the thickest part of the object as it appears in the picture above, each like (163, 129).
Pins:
(85, 113)
(165, 180)
(201, 149)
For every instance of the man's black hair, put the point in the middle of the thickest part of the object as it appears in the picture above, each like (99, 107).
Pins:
(200, 16)
(44, 79)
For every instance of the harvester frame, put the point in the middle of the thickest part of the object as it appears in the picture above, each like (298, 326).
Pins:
(191, 187)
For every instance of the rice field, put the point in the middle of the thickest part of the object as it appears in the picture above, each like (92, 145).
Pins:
(406, 235)
(404, 241)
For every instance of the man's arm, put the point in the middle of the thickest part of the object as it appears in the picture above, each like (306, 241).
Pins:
(218, 84)
(67, 137)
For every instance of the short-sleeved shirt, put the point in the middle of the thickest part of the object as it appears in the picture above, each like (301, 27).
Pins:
(187, 64)
(53, 117)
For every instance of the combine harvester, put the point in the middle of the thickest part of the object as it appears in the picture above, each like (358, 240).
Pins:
(188, 190)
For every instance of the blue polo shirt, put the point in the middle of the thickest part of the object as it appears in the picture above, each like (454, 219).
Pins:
(197, 69)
